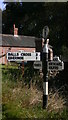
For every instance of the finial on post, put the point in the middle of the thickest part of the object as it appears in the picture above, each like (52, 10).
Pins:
(45, 33)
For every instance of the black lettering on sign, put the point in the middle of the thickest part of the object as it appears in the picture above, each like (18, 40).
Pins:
(53, 67)
(9, 54)
(60, 64)
(53, 63)
(13, 54)
(36, 57)
(36, 54)
(37, 65)
(21, 57)
(25, 54)
(15, 58)
(55, 59)
(49, 63)
(17, 54)
(9, 57)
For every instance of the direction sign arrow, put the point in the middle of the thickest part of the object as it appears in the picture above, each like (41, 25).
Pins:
(37, 65)
(23, 56)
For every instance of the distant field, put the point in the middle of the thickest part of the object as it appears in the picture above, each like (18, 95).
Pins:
(20, 101)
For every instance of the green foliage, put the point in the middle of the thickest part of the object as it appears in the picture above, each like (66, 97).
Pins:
(64, 51)
(30, 18)
(11, 73)
(16, 100)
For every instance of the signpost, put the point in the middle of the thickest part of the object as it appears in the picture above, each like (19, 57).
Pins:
(45, 66)
(37, 65)
(54, 65)
(45, 74)
(23, 56)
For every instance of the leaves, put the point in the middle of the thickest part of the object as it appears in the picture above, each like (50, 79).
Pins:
(31, 17)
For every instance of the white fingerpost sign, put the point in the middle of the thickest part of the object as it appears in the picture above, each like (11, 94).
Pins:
(37, 65)
(55, 65)
(23, 56)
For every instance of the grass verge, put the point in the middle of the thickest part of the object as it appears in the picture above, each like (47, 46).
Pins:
(19, 101)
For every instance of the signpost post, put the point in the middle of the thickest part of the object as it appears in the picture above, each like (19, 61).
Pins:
(45, 66)
(45, 75)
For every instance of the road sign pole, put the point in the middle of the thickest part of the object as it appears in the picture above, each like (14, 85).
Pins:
(45, 71)
(45, 80)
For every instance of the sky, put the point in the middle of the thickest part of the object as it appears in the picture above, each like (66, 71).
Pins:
(2, 6)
